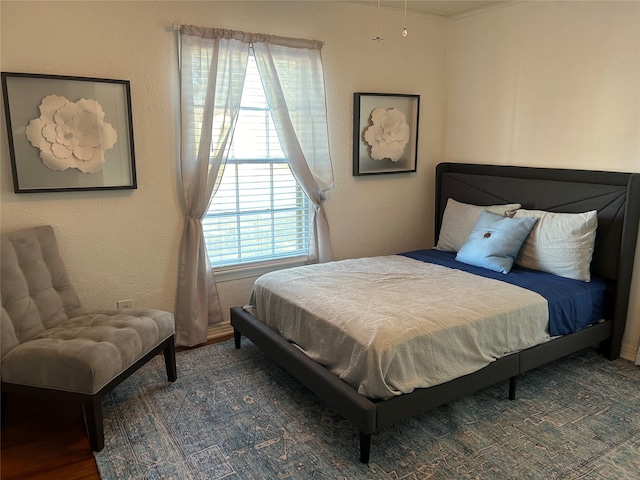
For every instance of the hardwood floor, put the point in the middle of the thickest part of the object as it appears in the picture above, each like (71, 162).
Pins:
(44, 439)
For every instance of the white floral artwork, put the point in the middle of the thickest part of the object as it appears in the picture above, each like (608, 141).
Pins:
(71, 134)
(388, 135)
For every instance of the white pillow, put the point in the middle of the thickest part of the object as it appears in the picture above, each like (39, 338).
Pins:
(459, 219)
(560, 243)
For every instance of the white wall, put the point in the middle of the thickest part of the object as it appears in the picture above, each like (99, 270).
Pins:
(550, 84)
(124, 244)
(534, 83)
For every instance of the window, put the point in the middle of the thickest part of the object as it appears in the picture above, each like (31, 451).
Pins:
(259, 211)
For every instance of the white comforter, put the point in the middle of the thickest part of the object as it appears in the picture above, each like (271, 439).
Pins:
(388, 325)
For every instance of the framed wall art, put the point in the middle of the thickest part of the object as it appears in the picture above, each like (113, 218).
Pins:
(385, 133)
(68, 133)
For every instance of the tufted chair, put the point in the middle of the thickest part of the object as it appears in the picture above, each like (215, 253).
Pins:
(51, 346)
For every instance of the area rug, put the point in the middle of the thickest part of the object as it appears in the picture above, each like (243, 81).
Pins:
(235, 414)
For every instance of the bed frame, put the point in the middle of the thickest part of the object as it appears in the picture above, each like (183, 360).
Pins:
(616, 197)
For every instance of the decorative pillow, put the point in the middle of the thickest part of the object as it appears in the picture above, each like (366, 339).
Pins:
(560, 243)
(460, 218)
(495, 241)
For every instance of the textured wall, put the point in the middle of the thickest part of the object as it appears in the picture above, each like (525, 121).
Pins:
(551, 84)
(534, 83)
(121, 245)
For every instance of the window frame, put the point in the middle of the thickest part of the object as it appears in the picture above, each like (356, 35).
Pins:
(247, 268)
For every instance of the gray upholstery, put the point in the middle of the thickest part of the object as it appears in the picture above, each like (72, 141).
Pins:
(36, 292)
(84, 353)
(49, 341)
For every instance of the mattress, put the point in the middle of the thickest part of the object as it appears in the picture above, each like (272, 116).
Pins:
(388, 325)
(573, 304)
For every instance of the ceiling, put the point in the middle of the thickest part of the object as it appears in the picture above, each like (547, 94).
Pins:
(442, 8)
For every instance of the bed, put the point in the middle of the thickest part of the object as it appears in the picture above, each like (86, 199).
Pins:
(615, 199)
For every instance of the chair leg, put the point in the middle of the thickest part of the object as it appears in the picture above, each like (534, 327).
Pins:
(170, 361)
(93, 419)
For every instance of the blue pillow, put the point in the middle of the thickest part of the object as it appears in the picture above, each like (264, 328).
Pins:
(495, 241)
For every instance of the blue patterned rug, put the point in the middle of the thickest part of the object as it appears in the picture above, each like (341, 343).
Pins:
(235, 414)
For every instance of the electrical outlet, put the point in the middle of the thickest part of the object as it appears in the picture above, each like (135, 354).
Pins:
(124, 304)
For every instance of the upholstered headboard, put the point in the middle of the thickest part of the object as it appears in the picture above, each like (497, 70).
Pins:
(615, 195)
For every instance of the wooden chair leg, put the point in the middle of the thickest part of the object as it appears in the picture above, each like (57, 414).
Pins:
(170, 361)
(93, 419)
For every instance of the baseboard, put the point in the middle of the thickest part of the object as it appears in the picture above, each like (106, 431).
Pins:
(219, 331)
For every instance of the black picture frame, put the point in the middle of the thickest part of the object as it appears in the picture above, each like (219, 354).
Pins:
(85, 143)
(372, 154)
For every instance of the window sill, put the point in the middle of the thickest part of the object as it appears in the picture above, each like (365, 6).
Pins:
(251, 270)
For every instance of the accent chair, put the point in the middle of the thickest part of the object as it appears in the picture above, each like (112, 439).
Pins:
(50, 346)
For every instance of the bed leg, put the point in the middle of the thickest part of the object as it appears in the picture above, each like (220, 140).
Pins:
(365, 447)
(237, 337)
(512, 388)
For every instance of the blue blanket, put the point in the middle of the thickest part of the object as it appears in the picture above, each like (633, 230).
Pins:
(573, 305)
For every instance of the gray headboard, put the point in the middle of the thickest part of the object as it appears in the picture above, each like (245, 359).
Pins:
(615, 195)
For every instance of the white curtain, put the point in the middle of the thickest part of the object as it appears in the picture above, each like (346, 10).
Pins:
(213, 65)
(296, 99)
